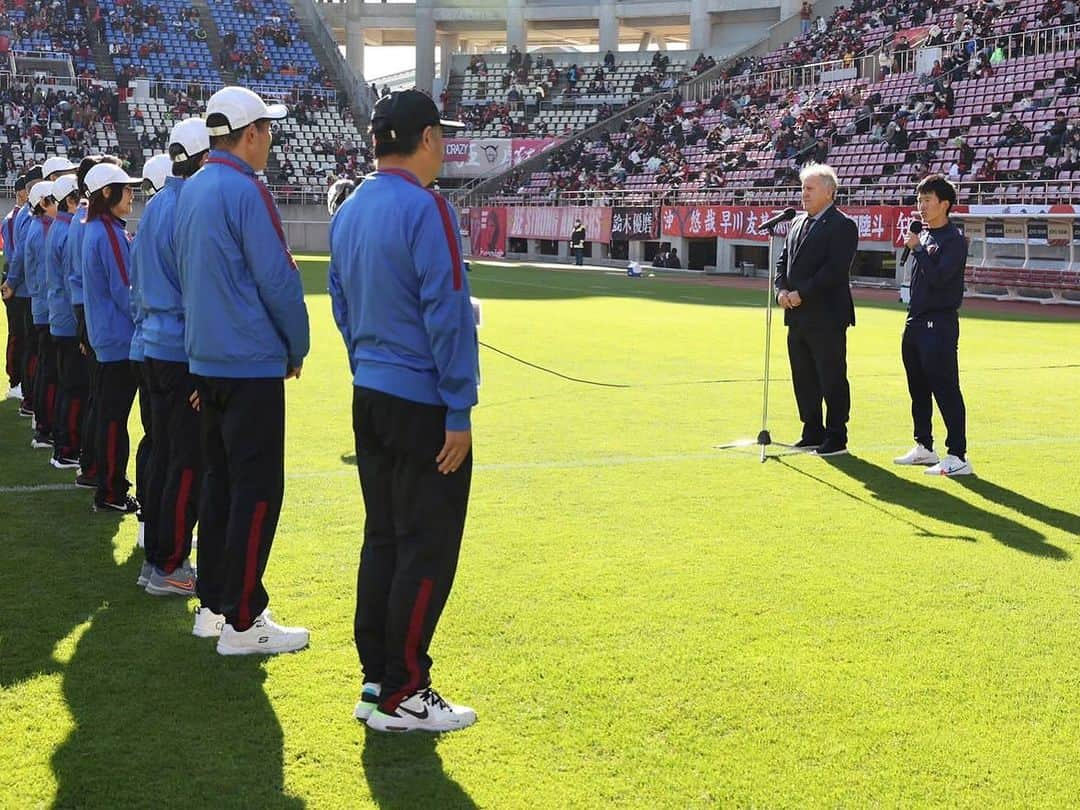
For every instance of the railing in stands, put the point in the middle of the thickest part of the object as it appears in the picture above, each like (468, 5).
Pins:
(973, 193)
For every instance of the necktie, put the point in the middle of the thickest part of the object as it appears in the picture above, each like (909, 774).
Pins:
(807, 225)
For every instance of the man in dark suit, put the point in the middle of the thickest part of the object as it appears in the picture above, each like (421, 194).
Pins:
(812, 286)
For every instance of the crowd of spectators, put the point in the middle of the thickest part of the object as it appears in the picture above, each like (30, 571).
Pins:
(38, 118)
(60, 25)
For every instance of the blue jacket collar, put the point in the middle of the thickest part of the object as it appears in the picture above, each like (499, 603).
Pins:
(229, 157)
(173, 181)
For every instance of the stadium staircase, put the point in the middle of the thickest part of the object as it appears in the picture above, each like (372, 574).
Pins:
(103, 62)
(213, 40)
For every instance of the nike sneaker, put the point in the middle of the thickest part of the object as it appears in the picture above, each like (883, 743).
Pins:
(423, 711)
(950, 465)
(917, 455)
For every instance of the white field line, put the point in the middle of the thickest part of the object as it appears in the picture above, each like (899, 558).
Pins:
(600, 462)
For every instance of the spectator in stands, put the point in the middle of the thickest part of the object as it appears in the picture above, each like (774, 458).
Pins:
(672, 260)
(1055, 135)
(805, 14)
(609, 60)
(987, 172)
(1015, 133)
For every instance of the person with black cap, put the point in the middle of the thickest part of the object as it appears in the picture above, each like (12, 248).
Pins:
(16, 318)
(15, 288)
(400, 298)
(175, 480)
(245, 332)
(577, 242)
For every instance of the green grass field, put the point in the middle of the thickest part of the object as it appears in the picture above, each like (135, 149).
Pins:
(640, 620)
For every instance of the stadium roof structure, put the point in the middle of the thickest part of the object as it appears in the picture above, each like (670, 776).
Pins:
(478, 26)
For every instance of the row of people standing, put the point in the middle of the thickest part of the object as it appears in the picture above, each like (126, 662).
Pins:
(202, 316)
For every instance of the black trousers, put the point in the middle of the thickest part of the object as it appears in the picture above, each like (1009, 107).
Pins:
(16, 322)
(818, 357)
(90, 426)
(74, 383)
(243, 440)
(929, 349)
(175, 479)
(415, 517)
(45, 380)
(116, 387)
(29, 355)
(145, 450)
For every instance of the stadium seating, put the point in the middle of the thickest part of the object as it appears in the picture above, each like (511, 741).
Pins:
(59, 26)
(269, 51)
(161, 42)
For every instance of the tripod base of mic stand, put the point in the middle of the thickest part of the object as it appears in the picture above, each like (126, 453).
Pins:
(764, 439)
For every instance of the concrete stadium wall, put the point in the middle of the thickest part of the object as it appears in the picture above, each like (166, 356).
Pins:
(306, 226)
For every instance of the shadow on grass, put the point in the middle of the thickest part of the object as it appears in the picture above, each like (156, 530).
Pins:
(1051, 516)
(404, 772)
(157, 718)
(888, 487)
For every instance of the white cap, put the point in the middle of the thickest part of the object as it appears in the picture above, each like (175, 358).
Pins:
(57, 164)
(191, 134)
(105, 174)
(64, 185)
(156, 169)
(240, 107)
(39, 192)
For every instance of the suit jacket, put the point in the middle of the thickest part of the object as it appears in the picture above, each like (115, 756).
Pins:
(820, 270)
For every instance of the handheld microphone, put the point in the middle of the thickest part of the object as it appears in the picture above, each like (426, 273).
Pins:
(786, 215)
(914, 227)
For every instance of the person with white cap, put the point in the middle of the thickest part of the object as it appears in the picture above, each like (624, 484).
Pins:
(106, 260)
(14, 288)
(400, 297)
(43, 208)
(16, 318)
(176, 465)
(56, 166)
(245, 331)
(87, 476)
(154, 171)
(70, 364)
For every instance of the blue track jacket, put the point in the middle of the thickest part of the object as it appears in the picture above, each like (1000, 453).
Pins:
(34, 264)
(106, 259)
(74, 256)
(61, 316)
(400, 295)
(155, 283)
(244, 309)
(16, 270)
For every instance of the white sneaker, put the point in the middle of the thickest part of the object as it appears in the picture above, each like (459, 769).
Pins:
(369, 699)
(950, 465)
(15, 393)
(917, 455)
(423, 711)
(207, 623)
(264, 637)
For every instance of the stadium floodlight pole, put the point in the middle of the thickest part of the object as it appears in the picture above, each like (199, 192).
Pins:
(764, 439)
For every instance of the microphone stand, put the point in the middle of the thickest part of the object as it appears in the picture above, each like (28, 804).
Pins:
(764, 438)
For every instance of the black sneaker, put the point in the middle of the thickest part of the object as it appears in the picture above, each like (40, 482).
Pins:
(126, 505)
(807, 444)
(84, 481)
(832, 447)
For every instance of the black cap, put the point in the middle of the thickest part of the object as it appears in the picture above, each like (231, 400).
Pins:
(406, 112)
(34, 174)
(20, 183)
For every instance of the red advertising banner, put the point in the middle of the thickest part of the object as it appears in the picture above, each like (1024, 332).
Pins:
(539, 222)
(487, 232)
(876, 223)
(522, 149)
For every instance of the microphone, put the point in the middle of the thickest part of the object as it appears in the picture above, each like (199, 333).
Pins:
(914, 227)
(786, 215)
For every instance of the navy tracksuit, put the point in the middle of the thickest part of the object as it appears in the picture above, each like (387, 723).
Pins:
(931, 336)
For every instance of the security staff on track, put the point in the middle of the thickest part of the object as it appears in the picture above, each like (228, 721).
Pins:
(401, 300)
